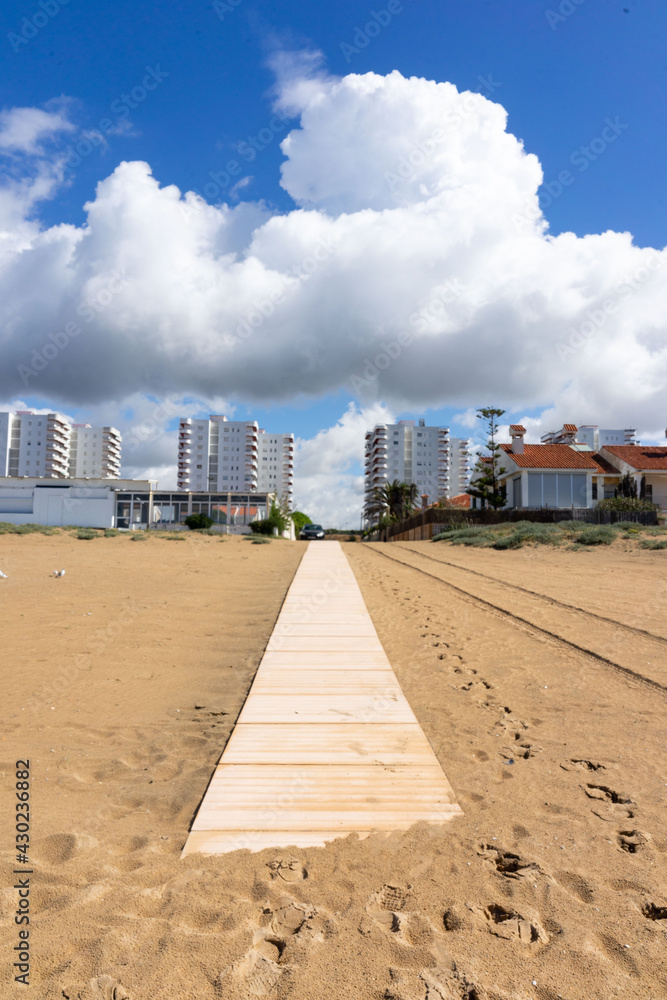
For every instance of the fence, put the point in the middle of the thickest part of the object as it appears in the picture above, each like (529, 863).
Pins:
(425, 524)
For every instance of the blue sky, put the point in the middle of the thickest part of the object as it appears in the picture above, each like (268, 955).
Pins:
(583, 85)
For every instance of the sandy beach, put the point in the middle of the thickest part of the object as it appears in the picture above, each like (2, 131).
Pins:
(122, 682)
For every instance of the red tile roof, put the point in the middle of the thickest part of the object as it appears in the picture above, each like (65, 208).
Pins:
(605, 466)
(640, 457)
(518, 428)
(570, 428)
(551, 456)
(460, 500)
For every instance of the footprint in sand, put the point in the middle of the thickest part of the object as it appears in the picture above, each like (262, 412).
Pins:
(520, 751)
(576, 885)
(579, 764)
(385, 907)
(443, 984)
(508, 864)
(610, 806)
(512, 926)
(100, 988)
(631, 841)
(289, 870)
(508, 724)
(263, 965)
(653, 912)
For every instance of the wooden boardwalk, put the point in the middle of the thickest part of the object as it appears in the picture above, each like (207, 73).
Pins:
(326, 743)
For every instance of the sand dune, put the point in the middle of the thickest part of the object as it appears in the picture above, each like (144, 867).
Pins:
(123, 681)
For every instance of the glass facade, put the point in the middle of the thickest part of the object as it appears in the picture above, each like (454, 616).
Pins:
(548, 489)
(173, 508)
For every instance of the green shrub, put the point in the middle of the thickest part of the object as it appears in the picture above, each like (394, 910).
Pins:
(110, 532)
(626, 503)
(138, 536)
(351, 538)
(478, 537)
(26, 529)
(198, 522)
(654, 543)
(446, 532)
(86, 534)
(601, 534)
(628, 526)
(264, 527)
(260, 540)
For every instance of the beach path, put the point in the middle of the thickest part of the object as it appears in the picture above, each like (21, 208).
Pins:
(326, 743)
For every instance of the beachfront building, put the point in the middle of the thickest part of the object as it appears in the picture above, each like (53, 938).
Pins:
(411, 452)
(565, 472)
(217, 454)
(124, 503)
(47, 446)
(645, 463)
(94, 452)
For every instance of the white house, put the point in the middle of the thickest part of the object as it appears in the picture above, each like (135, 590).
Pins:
(642, 462)
(546, 475)
(565, 472)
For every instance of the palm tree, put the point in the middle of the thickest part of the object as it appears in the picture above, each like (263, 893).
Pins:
(391, 502)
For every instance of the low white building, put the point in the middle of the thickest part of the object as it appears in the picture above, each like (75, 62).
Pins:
(646, 464)
(89, 503)
(565, 472)
(123, 503)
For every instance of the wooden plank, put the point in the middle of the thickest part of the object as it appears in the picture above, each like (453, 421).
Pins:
(325, 659)
(341, 628)
(344, 743)
(326, 682)
(371, 709)
(326, 643)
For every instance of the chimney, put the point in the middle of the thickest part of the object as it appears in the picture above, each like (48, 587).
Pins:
(517, 432)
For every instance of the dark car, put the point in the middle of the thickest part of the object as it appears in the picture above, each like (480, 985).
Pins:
(311, 531)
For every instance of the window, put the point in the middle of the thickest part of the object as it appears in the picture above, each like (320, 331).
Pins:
(556, 489)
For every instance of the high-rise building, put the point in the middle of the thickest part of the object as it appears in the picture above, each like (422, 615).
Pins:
(413, 453)
(34, 444)
(47, 446)
(275, 464)
(460, 466)
(94, 452)
(221, 455)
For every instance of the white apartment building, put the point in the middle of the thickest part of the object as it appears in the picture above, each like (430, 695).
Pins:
(275, 464)
(461, 464)
(221, 455)
(591, 435)
(34, 444)
(47, 446)
(94, 452)
(413, 453)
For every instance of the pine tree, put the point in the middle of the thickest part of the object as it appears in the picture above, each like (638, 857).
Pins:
(488, 471)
